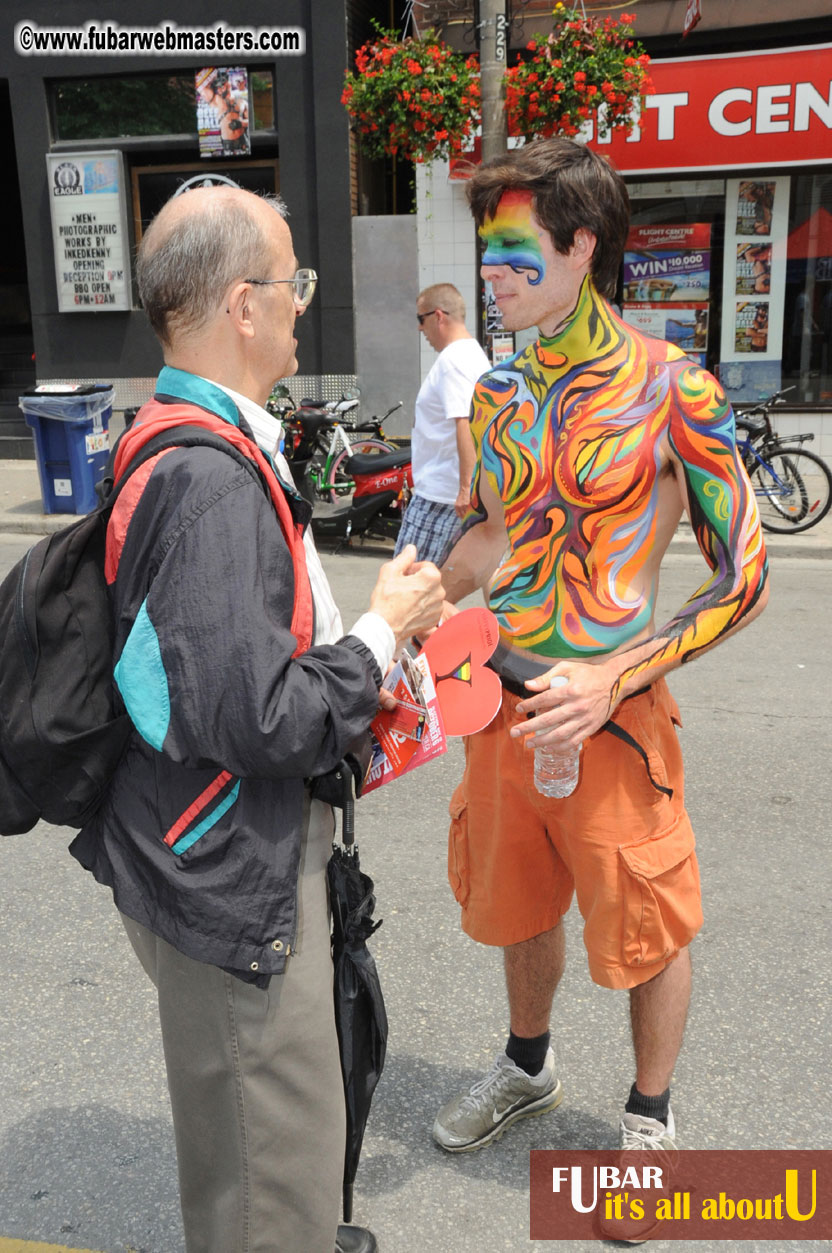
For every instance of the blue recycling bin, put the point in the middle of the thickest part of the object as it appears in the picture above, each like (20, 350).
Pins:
(70, 426)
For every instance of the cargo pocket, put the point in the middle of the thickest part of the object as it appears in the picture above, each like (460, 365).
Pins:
(458, 847)
(662, 910)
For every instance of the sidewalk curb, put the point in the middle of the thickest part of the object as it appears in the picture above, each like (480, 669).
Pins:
(802, 545)
(38, 526)
(776, 546)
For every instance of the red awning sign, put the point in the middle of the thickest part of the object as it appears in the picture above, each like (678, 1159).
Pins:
(734, 111)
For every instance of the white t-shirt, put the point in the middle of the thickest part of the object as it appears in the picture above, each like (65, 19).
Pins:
(444, 397)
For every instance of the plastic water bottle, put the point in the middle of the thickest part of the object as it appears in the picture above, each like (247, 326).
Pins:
(556, 772)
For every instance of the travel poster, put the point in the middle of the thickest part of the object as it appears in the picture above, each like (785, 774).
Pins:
(686, 326)
(664, 263)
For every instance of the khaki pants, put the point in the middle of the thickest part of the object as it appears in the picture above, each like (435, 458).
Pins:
(255, 1084)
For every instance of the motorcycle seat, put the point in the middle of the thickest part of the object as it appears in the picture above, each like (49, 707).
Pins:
(313, 423)
(377, 463)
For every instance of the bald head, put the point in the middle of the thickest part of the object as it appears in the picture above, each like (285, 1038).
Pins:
(195, 248)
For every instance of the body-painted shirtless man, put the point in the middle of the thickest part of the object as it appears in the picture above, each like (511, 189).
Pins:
(591, 444)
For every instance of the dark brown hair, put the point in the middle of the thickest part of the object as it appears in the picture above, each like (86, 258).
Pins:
(571, 187)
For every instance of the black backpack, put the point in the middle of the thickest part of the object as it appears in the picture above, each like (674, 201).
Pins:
(63, 728)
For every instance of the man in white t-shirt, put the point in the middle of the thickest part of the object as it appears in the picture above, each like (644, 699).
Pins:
(443, 451)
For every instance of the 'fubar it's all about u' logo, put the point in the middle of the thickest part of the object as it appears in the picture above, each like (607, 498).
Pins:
(706, 1194)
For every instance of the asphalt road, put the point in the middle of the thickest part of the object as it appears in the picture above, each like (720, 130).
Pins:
(86, 1147)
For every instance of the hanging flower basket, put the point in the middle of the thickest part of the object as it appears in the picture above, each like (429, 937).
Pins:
(412, 98)
(586, 67)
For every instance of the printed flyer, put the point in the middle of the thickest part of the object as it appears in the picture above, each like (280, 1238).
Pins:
(412, 733)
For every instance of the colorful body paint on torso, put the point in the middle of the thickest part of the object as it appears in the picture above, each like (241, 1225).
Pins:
(511, 239)
(575, 437)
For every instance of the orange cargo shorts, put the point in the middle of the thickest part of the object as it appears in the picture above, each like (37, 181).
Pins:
(622, 844)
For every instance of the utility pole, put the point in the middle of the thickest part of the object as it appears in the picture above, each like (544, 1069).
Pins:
(493, 59)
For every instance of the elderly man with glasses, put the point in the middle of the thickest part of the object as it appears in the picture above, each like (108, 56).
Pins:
(242, 686)
(443, 450)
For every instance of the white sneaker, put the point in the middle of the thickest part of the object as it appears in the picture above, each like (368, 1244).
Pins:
(481, 1115)
(635, 1134)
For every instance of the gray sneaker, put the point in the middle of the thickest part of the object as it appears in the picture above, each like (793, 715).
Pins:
(637, 1133)
(494, 1102)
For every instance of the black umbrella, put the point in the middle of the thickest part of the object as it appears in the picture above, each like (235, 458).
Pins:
(360, 1015)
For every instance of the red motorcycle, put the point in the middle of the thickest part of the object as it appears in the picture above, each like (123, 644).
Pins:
(382, 486)
(356, 482)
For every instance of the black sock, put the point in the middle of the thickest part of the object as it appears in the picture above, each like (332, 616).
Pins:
(648, 1106)
(528, 1052)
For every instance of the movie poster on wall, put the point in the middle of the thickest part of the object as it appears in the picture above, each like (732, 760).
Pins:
(754, 286)
(89, 231)
(222, 111)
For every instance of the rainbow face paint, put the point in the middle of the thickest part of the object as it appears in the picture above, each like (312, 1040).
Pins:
(578, 438)
(512, 239)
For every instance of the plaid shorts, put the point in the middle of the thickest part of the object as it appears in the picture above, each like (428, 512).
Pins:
(428, 525)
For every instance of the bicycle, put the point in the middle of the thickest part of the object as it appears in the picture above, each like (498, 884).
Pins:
(321, 438)
(793, 486)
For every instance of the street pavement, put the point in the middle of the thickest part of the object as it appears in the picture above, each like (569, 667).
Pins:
(86, 1145)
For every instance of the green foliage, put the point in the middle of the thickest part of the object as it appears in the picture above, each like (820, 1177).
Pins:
(108, 108)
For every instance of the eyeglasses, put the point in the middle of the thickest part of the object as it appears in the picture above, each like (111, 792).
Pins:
(304, 283)
(420, 317)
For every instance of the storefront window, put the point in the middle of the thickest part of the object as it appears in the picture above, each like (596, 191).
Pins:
(672, 280)
(144, 104)
(807, 338)
(764, 281)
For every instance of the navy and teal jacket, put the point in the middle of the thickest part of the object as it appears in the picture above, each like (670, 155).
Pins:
(199, 835)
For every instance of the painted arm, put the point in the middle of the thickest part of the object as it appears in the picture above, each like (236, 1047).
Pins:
(467, 453)
(720, 503)
(477, 553)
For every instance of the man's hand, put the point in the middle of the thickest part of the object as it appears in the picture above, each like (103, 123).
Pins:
(408, 594)
(463, 502)
(566, 715)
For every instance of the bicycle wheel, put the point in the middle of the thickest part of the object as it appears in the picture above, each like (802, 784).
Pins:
(338, 483)
(793, 489)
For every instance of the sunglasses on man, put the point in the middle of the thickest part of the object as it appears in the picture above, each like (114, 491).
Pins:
(420, 317)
